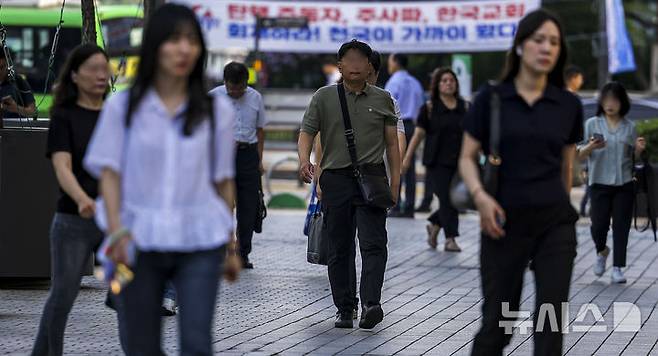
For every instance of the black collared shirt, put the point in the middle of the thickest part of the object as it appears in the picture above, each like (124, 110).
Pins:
(531, 144)
(444, 131)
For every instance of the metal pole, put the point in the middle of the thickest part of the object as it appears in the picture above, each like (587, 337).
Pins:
(149, 7)
(603, 74)
(88, 21)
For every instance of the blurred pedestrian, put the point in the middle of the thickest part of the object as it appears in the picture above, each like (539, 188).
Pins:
(331, 72)
(612, 147)
(16, 98)
(574, 78)
(74, 236)
(529, 216)
(439, 123)
(408, 93)
(165, 155)
(249, 137)
(373, 119)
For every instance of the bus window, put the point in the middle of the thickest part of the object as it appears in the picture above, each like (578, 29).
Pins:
(31, 47)
(122, 35)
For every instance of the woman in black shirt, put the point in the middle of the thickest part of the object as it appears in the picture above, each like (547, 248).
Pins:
(529, 217)
(78, 98)
(440, 124)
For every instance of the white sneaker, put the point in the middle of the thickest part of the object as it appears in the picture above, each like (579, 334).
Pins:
(169, 307)
(618, 275)
(601, 257)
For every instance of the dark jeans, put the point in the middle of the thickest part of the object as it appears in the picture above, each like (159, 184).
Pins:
(614, 202)
(447, 216)
(246, 182)
(196, 279)
(170, 291)
(409, 178)
(344, 214)
(546, 236)
(72, 242)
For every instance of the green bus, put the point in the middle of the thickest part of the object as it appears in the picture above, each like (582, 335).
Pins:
(31, 31)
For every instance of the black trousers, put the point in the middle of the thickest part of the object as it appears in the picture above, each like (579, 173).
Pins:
(614, 202)
(247, 175)
(447, 216)
(428, 193)
(546, 236)
(409, 178)
(344, 215)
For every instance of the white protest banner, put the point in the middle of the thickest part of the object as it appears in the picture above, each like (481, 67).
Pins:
(413, 27)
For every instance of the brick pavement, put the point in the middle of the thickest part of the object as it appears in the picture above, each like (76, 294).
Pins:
(431, 300)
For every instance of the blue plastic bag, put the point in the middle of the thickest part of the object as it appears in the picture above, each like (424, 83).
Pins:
(314, 207)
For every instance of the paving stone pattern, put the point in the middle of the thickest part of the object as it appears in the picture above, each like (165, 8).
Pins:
(431, 299)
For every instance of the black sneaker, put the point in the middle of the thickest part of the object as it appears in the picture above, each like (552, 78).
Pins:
(246, 264)
(344, 320)
(371, 316)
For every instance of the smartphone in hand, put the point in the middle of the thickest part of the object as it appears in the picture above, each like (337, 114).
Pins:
(598, 137)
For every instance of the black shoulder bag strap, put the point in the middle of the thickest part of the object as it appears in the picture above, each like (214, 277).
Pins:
(494, 129)
(491, 167)
(349, 132)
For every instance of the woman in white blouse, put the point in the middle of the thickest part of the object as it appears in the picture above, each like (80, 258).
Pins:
(164, 153)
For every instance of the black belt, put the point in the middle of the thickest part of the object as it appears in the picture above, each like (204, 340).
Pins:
(374, 169)
(245, 145)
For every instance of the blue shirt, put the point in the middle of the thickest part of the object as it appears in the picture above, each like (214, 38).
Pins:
(168, 200)
(612, 164)
(249, 114)
(408, 92)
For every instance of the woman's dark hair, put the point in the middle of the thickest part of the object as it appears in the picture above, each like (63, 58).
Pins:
(528, 26)
(236, 73)
(361, 47)
(65, 91)
(436, 80)
(616, 90)
(376, 61)
(167, 21)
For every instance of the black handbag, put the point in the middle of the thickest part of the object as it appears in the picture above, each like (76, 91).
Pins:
(644, 195)
(261, 211)
(374, 187)
(460, 196)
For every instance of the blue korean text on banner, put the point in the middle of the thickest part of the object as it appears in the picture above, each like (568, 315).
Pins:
(620, 48)
(403, 26)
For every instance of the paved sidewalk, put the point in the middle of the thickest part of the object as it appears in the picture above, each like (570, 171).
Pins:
(431, 300)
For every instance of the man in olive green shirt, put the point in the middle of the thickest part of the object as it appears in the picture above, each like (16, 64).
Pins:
(373, 119)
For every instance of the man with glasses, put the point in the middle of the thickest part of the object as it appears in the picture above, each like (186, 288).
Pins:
(250, 138)
(373, 119)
